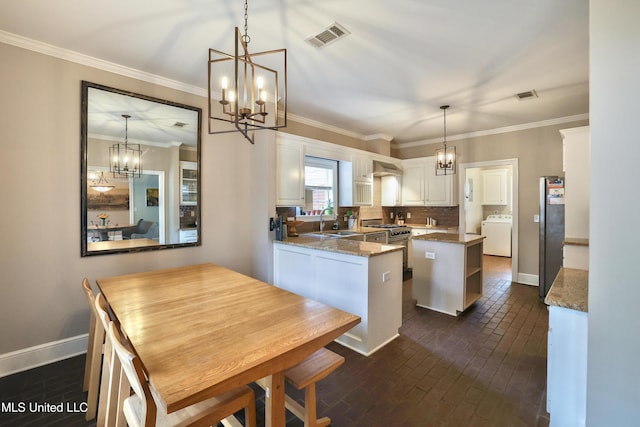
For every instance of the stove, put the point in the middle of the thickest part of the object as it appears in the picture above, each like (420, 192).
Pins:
(395, 230)
(398, 235)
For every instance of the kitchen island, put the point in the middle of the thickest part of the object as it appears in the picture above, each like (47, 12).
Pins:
(362, 278)
(447, 271)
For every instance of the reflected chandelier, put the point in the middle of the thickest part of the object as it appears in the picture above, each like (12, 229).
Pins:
(101, 184)
(446, 156)
(125, 159)
(257, 97)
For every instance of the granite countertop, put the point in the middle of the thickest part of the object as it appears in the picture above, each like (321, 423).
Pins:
(463, 239)
(578, 241)
(340, 245)
(570, 289)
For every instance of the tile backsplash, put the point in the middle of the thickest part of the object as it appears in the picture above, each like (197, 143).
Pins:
(446, 216)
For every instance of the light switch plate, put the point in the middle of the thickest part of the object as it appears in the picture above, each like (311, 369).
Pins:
(536, 218)
(430, 255)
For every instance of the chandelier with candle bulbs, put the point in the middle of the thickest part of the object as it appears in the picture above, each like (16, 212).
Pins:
(125, 159)
(446, 156)
(248, 90)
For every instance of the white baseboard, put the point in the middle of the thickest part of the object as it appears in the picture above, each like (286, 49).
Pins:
(528, 279)
(43, 354)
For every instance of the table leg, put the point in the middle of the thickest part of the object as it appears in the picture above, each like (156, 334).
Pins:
(274, 401)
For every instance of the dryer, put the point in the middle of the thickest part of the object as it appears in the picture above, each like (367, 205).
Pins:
(497, 230)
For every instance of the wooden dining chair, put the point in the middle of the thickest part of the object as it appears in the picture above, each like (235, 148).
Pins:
(94, 354)
(305, 375)
(114, 387)
(140, 408)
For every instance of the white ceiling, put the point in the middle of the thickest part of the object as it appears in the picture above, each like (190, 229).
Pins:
(402, 60)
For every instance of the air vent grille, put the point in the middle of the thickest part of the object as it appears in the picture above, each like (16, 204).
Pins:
(179, 124)
(332, 33)
(530, 94)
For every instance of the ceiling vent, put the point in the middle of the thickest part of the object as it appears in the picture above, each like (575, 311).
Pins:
(530, 94)
(332, 33)
(179, 124)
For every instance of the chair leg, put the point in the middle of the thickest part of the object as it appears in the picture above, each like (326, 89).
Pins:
(311, 411)
(87, 363)
(94, 383)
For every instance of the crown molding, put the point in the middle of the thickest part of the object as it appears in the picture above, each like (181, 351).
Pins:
(324, 126)
(90, 61)
(515, 128)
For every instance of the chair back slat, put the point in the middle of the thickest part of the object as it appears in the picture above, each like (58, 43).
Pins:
(132, 368)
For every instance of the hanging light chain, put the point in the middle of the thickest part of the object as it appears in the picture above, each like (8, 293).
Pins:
(246, 37)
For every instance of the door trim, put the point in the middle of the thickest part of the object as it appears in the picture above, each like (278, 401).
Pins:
(461, 211)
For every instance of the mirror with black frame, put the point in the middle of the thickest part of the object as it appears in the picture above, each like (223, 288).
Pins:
(140, 172)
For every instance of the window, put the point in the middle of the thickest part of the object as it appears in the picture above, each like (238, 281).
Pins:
(320, 179)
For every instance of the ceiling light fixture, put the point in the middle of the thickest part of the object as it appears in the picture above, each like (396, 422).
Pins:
(257, 97)
(101, 185)
(126, 159)
(446, 156)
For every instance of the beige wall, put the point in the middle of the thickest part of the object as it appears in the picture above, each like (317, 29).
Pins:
(40, 295)
(539, 152)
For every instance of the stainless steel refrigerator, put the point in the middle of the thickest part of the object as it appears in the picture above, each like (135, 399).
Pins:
(551, 231)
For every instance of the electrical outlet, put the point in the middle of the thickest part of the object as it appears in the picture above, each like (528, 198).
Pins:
(408, 215)
(430, 255)
(536, 218)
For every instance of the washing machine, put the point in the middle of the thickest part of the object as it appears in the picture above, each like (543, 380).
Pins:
(497, 230)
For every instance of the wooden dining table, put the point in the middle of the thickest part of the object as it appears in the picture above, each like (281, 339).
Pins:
(201, 330)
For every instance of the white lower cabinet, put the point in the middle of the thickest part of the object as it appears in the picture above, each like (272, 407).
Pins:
(567, 367)
(369, 287)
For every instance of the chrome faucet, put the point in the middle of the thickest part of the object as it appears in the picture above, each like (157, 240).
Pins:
(322, 218)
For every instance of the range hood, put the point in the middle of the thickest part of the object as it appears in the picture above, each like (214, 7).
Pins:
(384, 169)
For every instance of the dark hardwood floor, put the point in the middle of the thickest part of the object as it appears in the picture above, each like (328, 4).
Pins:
(486, 367)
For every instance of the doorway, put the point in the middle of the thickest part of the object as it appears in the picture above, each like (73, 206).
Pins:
(473, 209)
(147, 200)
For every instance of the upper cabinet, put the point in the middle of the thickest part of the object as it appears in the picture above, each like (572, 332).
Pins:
(390, 190)
(289, 173)
(576, 161)
(421, 186)
(355, 181)
(362, 168)
(188, 183)
(495, 187)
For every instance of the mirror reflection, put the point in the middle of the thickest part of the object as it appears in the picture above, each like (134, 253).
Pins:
(140, 172)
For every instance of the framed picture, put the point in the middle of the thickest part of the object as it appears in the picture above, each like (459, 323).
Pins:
(152, 197)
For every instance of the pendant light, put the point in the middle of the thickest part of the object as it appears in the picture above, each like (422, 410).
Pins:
(101, 185)
(125, 159)
(446, 156)
(246, 89)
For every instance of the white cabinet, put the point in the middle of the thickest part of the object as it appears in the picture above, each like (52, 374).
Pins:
(355, 182)
(362, 168)
(369, 287)
(494, 187)
(447, 274)
(567, 366)
(188, 236)
(390, 190)
(422, 187)
(576, 159)
(188, 183)
(290, 173)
